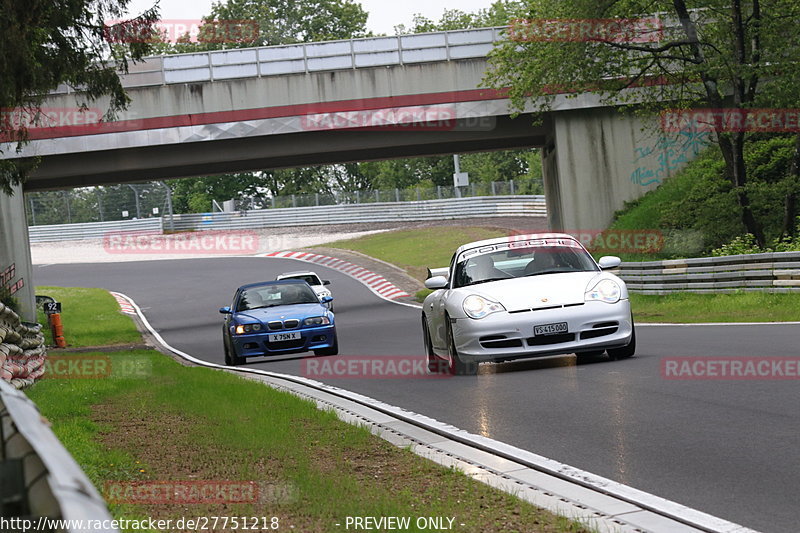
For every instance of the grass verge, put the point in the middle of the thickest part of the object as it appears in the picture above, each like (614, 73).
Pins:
(167, 422)
(414, 250)
(89, 317)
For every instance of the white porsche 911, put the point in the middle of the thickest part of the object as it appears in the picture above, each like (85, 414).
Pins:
(525, 296)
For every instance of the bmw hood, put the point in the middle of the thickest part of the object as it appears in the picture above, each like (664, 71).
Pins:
(283, 312)
(545, 290)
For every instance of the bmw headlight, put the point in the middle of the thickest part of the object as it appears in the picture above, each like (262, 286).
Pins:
(242, 329)
(478, 307)
(605, 290)
(317, 321)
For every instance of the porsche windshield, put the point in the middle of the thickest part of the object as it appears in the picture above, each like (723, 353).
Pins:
(276, 294)
(495, 264)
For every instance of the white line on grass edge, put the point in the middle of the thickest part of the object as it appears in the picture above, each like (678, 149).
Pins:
(645, 500)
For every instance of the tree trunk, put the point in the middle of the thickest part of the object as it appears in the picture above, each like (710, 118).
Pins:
(732, 146)
(790, 204)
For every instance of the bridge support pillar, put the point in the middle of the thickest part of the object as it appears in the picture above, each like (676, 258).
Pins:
(597, 159)
(16, 268)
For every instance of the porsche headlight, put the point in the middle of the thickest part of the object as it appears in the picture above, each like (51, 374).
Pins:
(478, 307)
(605, 290)
(317, 321)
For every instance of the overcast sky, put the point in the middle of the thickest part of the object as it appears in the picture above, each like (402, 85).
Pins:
(384, 15)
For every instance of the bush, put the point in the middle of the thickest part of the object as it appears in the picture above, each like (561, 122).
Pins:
(700, 201)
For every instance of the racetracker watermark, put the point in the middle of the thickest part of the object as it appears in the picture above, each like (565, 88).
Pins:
(611, 241)
(636, 30)
(181, 492)
(731, 120)
(412, 118)
(731, 368)
(181, 30)
(212, 242)
(80, 366)
(371, 367)
(49, 117)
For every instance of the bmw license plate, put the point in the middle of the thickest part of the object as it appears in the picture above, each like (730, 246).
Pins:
(279, 337)
(550, 329)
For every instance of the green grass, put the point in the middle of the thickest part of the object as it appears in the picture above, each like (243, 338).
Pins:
(91, 317)
(416, 249)
(171, 422)
(736, 307)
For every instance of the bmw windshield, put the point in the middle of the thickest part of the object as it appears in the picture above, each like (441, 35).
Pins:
(276, 294)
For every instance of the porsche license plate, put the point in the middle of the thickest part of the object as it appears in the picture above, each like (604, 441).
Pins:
(280, 337)
(550, 329)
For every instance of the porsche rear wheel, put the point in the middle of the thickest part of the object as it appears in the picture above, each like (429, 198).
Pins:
(456, 365)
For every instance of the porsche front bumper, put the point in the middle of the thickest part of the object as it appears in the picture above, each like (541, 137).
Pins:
(502, 336)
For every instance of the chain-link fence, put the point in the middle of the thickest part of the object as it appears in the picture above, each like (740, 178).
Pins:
(495, 188)
(136, 201)
(132, 201)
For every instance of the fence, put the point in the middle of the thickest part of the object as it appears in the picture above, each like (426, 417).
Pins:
(767, 272)
(22, 350)
(41, 481)
(520, 205)
(154, 200)
(310, 57)
(91, 230)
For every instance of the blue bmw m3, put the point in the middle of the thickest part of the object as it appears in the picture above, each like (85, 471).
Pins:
(277, 318)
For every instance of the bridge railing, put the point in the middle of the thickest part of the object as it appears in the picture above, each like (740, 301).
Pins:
(310, 57)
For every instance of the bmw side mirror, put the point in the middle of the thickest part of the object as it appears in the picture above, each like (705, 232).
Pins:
(609, 261)
(225, 310)
(436, 282)
(326, 299)
(326, 282)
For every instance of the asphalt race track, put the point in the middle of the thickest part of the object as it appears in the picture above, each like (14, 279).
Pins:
(728, 448)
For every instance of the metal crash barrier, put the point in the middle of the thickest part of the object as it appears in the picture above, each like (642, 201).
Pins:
(41, 486)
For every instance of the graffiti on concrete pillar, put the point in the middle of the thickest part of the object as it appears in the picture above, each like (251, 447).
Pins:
(6, 276)
(670, 154)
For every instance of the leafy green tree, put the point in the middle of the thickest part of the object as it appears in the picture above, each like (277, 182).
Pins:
(498, 14)
(46, 43)
(712, 53)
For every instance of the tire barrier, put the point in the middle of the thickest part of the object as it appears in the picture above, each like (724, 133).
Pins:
(22, 350)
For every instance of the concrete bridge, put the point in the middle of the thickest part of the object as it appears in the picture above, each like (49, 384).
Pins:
(340, 101)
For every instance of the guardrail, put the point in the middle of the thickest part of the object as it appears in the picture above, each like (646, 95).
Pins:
(767, 272)
(90, 230)
(42, 483)
(309, 57)
(452, 208)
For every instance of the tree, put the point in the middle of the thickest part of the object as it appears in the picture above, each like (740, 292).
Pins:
(710, 53)
(282, 22)
(498, 14)
(46, 43)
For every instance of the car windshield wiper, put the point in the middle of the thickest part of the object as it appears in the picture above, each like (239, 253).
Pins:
(263, 306)
(487, 280)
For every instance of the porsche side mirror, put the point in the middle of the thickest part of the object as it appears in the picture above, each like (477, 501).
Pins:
(609, 261)
(436, 282)
(326, 282)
